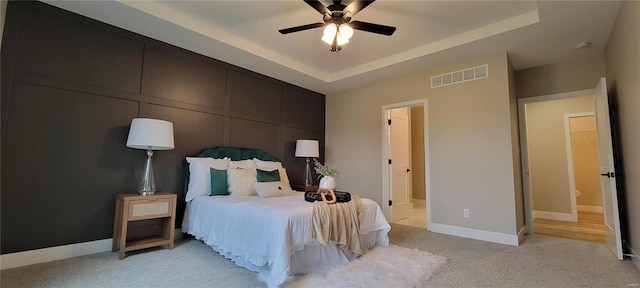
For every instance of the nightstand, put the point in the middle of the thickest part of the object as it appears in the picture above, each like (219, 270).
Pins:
(135, 208)
(302, 188)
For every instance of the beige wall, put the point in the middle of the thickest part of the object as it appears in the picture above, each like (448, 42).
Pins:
(470, 144)
(417, 153)
(546, 144)
(586, 168)
(622, 59)
(561, 77)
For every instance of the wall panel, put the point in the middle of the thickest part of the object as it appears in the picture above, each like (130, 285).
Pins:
(61, 48)
(256, 95)
(304, 109)
(187, 78)
(62, 165)
(67, 104)
(253, 134)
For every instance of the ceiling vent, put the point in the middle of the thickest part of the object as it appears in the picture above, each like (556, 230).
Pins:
(460, 76)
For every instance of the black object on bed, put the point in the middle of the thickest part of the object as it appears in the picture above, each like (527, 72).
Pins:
(313, 196)
(234, 153)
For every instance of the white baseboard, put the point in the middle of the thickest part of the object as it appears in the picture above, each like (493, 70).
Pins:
(24, 258)
(555, 216)
(13, 260)
(587, 208)
(489, 236)
(419, 203)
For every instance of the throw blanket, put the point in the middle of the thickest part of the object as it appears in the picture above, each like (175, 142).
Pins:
(338, 223)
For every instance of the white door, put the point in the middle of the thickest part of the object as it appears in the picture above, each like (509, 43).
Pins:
(400, 164)
(607, 170)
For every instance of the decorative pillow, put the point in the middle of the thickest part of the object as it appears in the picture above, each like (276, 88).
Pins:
(272, 189)
(200, 176)
(241, 181)
(268, 176)
(267, 165)
(244, 164)
(283, 175)
(218, 182)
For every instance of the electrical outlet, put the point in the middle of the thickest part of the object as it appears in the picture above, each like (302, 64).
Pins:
(465, 213)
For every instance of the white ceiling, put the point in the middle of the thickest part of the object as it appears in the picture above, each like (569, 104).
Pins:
(429, 34)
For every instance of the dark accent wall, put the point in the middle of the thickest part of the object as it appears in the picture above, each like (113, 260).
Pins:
(70, 87)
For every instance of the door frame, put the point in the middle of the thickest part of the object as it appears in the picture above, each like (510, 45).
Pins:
(385, 162)
(524, 155)
(570, 168)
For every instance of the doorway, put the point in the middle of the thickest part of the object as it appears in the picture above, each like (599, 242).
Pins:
(405, 173)
(549, 183)
(581, 146)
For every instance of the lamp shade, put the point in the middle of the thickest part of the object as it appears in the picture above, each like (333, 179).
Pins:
(151, 134)
(307, 148)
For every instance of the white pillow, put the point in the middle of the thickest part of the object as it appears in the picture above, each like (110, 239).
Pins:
(267, 165)
(283, 175)
(241, 181)
(244, 164)
(200, 175)
(272, 189)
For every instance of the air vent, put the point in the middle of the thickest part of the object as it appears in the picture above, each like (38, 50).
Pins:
(460, 76)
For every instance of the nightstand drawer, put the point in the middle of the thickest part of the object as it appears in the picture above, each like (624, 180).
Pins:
(149, 209)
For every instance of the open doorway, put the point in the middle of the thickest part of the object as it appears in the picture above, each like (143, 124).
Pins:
(405, 168)
(557, 131)
(581, 145)
(561, 202)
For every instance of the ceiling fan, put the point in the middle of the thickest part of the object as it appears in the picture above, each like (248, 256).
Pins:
(338, 24)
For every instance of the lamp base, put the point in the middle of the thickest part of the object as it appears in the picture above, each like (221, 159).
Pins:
(307, 177)
(147, 182)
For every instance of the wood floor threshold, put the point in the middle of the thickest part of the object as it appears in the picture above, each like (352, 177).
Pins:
(590, 227)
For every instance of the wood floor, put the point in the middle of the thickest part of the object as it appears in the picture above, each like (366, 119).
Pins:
(590, 227)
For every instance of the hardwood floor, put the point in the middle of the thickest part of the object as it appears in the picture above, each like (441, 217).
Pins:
(590, 227)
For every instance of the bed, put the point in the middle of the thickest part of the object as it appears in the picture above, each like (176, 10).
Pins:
(270, 235)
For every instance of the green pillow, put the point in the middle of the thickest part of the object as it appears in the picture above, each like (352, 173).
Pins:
(268, 176)
(218, 182)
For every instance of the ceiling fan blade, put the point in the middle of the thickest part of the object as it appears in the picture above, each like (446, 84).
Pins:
(357, 5)
(374, 28)
(318, 6)
(300, 28)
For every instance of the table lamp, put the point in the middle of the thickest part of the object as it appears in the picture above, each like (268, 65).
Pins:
(149, 134)
(307, 148)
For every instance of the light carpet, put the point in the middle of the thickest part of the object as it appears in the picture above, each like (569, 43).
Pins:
(382, 267)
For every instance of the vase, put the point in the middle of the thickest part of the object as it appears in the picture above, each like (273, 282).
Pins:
(327, 182)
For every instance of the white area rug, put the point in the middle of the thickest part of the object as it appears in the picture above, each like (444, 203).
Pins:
(382, 267)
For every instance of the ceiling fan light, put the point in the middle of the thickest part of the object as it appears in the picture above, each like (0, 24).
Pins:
(331, 29)
(342, 38)
(327, 39)
(346, 31)
(329, 33)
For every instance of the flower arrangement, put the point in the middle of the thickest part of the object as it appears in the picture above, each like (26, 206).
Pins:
(324, 170)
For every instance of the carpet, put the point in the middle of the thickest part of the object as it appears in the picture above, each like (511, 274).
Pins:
(391, 266)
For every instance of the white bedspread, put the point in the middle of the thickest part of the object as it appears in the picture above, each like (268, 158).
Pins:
(272, 235)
